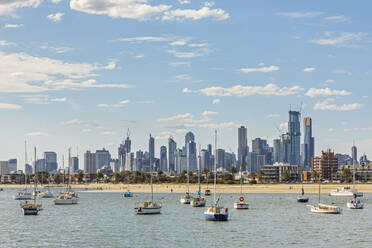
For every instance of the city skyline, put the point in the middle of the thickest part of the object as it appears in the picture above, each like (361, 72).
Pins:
(62, 85)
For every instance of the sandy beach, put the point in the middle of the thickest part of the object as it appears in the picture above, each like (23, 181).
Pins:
(221, 188)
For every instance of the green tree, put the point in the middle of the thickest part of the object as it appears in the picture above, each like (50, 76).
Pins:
(346, 174)
(260, 175)
(233, 170)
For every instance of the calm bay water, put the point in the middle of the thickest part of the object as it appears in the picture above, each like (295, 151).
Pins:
(108, 220)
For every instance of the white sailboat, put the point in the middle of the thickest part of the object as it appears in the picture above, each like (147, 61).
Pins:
(241, 204)
(32, 208)
(324, 208)
(216, 212)
(68, 197)
(355, 203)
(302, 198)
(149, 207)
(198, 201)
(24, 194)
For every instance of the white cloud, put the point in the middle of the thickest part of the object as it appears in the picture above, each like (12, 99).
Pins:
(329, 81)
(283, 126)
(62, 99)
(204, 12)
(326, 92)
(341, 71)
(331, 129)
(342, 39)
(329, 105)
(239, 90)
(6, 43)
(124, 101)
(273, 116)
(261, 69)
(209, 113)
(56, 49)
(337, 19)
(9, 106)
(10, 25)
(20, 72)
(216, 101)
(176, 64)
(107, 133)
(36, 134)
(309, 14)
(178, 43)
(57, 17)
(183, 77)
(8, 7)
(56, 1)
(184, 1)
(140, 56)
(140, 39)
(198, 44)
(78, 122)
(129, 9)
(103, 105)
(190, 54)
(309, 69)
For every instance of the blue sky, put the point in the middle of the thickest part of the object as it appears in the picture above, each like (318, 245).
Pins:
(79, 73)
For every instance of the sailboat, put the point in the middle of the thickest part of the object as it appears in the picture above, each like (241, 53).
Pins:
(241, 203)
(47, 193)
(302, 197)
(207, 191)
(128, 193)
(324, 208)
(32, 208)
(149, 207)
(355, 203)
(216, 212)
(24, 194)
(69, 197)
(186, 199)
(198, 201)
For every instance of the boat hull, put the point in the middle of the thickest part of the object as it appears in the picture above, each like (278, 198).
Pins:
(65, 201)
(346, 192)
(241, 205)
(149, 210)
(355, 205)
(30, 211)
(322, 210)
(199, 203)
(128, 195)
(216, 217)
(185, 200)
(302, 199)
(22, 197)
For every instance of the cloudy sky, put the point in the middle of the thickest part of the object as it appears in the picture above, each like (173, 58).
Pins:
(79, 73)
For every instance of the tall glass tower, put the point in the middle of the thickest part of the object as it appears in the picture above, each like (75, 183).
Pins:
(308, 146)
(294, 132)
(242, 147)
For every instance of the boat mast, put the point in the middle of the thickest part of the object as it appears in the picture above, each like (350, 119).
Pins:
(69, 175)
(25, 164)
(187, 170)
(215, 166)
(63, 168)
(353, 175)
(35, 177)
(319, 189)
(199, 168)
(241, 184)
(152, 189)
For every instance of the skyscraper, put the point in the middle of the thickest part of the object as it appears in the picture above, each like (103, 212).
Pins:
(163, 158)
(277, 157)
(220, 158)
(294, 132)
(103, 158)
(89, 162)
(12, 165)
(151, 151)
(75, 164)
(354, 154)
(123, 149)
(191, 156)
(50, 161)
(172, 146)
(308, 146)
(242, 147)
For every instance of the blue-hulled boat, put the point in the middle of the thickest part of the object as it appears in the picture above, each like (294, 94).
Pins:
(216, 212)
(128, 194)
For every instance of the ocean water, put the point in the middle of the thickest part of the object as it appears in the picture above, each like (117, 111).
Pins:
(108, 220)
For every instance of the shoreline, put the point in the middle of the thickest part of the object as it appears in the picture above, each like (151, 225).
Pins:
(311, 188)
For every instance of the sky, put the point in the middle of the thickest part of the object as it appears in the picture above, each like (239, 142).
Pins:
(80, 73)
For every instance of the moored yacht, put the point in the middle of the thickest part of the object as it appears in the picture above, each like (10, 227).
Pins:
(345, 191)
(241, 204)
(198, 201)
(321, 208)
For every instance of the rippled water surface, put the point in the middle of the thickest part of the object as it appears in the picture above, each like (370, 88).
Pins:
(108, 220)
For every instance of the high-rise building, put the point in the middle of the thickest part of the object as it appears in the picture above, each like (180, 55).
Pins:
(90, 162)
(123, 149)
(163, 158)
(277, 156)
(151, 151)
(220, 158)
(129, 161)
(40, 165)
(4, 168)
(172, 146)
(50, 159)
(308, 146)
(191, 156)
(181, 161)
(294, 132)
(354, 154)
(103, 157)
(252, 162)
(285, 148)
(74, 164)
(242, 147)
(204, 159)
(189, 137)
(114, 165)
(326, 166)
(12, 165)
